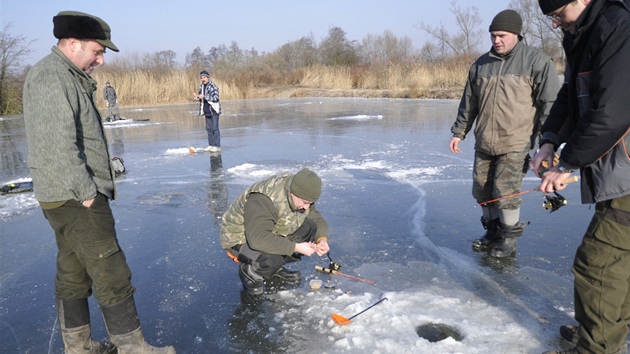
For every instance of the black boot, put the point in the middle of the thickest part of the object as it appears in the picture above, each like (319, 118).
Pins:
(123, 326)
(507, 234)
(74, 322)
(287, 275)
(252, 282)
(491, 233)
(570, 333)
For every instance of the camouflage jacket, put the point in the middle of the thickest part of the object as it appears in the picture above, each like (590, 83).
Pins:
(286, 220)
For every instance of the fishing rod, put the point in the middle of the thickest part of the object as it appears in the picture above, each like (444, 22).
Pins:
(566, 181)
(332, 271)
(342, 320)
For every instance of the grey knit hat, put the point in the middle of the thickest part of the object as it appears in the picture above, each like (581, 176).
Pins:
(507, 20)
(549, 6)
(307, 185)
(79, 25)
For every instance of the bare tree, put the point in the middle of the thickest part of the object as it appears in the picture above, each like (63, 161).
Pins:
(336, 49)
(464, 43)
(538, 31)
(297, 54)
(386, 48)
(197, 60)
(13, 49)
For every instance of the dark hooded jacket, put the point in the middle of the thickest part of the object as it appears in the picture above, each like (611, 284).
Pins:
(591, 112)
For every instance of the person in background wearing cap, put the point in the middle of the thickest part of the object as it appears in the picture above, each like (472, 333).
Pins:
(111, 100)
(210, 107)
(73, 182)
(591, 118)
(508, 94)
(274, 222)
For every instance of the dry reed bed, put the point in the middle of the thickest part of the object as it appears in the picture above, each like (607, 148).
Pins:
(142, 88)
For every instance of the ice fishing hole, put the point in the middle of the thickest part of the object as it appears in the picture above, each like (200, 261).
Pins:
(435, 332)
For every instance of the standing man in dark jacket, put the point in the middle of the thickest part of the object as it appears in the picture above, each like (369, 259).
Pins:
(591, 118)
(508, 95)
(73, 183)
(111, 100)
(210, 107)
(274, 222)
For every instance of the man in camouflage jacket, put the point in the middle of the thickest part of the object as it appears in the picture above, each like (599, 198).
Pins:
(274, 222)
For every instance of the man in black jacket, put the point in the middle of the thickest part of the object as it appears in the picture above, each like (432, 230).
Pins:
(591, 118)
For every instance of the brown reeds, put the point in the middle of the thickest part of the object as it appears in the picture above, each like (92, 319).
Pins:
(141, 87)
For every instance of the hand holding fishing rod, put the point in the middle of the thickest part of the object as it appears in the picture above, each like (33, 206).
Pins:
(564, 183)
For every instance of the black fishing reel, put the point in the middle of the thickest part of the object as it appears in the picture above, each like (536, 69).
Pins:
(333, 266)
(553, 203)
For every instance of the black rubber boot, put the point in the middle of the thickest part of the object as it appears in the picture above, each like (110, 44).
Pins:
(74, 322)
(287, 275)
(507, 234)
(570, 333)
(252, 282)
(490, 236)
(123, 326)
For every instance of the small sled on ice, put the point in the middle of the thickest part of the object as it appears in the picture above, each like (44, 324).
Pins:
(16, 187)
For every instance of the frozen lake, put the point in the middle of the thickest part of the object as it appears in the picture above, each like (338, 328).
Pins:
(400, 210)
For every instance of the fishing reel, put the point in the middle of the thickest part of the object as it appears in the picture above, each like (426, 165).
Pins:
(333, 266)
(553, 203)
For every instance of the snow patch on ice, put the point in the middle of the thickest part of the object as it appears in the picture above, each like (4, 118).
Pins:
(358, 117)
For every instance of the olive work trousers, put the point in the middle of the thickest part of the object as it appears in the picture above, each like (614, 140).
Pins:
(602, 279)
(89, 257)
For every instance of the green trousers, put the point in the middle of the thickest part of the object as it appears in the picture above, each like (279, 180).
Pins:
(89, 258)
(602, 279)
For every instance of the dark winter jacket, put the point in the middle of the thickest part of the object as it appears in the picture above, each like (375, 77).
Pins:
(591, 113)
(509, 98)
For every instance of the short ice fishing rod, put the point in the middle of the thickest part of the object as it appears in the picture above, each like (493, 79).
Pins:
(342, 320)
(332, 271)
(561, 199)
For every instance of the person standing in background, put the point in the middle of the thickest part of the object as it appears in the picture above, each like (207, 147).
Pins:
(210, 107)
(508, 95)
(73, 183)
(591, 118)
(111, 100)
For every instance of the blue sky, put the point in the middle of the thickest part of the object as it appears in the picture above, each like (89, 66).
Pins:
(147, 26)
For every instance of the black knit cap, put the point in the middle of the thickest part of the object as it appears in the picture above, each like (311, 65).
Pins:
(549, 6)
(79, 25)
(307, 185)
(507, 20)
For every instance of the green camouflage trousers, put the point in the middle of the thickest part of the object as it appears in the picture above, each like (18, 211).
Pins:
(496, 176)
(602, 278)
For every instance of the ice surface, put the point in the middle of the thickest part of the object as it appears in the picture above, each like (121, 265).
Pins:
(400, 210)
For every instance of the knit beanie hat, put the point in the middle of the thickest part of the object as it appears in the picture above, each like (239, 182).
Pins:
(549, 6)
(507, 20)
(204, 73)
(307, 185)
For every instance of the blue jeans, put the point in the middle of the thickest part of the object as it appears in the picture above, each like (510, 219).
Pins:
(212, 127)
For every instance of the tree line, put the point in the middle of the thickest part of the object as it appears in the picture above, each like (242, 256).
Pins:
(288, 64)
